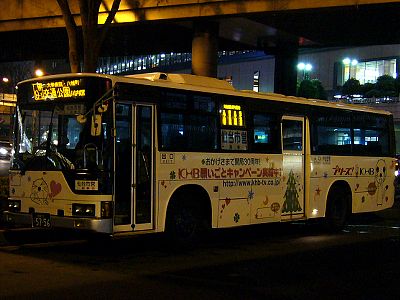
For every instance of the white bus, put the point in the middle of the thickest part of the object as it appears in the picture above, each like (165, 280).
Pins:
(180, 153)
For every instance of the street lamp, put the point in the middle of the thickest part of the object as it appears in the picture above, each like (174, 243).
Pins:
(301, 66)
(39, 72)
(305, 68)
(4, 85)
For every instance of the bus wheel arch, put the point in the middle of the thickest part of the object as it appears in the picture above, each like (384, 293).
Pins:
(189, 213)
(338, 205)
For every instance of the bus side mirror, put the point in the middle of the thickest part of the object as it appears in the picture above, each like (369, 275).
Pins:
(96, 125)
(102, 108)
(81, 119)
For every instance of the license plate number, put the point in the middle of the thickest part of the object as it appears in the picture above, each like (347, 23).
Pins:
(41, 220)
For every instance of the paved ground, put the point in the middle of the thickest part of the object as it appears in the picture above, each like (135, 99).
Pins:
(275, 261)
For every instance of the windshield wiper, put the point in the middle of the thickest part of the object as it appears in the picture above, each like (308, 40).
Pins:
(48, 141)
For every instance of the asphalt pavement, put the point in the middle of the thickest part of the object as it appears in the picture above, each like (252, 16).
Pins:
(20, 235)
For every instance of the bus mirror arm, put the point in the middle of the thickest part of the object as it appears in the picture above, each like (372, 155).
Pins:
(96, 125)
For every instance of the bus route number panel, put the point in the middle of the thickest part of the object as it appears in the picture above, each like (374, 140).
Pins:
(41, 220)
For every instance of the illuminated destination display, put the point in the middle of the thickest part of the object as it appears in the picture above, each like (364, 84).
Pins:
(232, 115)
(60, 89)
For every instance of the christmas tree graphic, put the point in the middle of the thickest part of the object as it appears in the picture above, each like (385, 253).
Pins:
(291, 203)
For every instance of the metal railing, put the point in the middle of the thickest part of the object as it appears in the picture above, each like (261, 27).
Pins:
(369, 101)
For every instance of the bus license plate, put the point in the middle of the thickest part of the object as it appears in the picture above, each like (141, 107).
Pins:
(41, 220)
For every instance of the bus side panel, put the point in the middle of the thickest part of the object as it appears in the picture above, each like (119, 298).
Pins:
(254, 195)
(175, 170)
(244, 188)
(370, 180)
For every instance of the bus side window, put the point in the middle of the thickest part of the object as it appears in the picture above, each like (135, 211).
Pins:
(265, 132)
(292, 135)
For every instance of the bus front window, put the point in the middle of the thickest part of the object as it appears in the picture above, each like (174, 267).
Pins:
(51, 137)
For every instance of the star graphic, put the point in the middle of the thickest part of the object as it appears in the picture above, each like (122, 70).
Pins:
(184, 157)
(318, 191)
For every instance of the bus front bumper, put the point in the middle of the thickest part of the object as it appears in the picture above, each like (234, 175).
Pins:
(89, 224)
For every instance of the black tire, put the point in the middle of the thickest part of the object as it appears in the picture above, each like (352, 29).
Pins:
(337, 209)
(186, 222)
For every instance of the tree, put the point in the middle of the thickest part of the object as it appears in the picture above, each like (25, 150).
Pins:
(93, 35)
(386, 85)
(311, 89)
(397, 85)
(306, 89)
(367, 89)
(15, 72)
(351, 87)
(320, 91)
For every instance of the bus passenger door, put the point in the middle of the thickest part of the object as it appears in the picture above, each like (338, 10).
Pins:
(143, 171)
(293, 167)
(134, 127)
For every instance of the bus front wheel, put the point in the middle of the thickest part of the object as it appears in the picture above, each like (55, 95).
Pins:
(185, 221)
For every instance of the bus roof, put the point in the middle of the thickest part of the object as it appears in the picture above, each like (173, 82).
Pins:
(209, 85)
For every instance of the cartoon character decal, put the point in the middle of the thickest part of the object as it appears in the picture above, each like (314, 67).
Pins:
(41, 193)
(380, 178)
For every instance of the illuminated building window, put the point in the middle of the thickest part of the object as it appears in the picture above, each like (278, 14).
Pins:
(368, 71)
(256, 81)
(131, 64)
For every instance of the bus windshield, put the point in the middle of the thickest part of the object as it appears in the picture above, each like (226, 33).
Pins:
(52, 135)
(48, 135)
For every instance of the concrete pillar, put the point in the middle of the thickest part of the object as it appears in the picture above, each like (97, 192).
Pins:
(205, 48)
(285, 78)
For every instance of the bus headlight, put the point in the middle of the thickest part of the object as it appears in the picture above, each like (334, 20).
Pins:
(3, 151)
(106, 209)
(86, 210)
(14, 205)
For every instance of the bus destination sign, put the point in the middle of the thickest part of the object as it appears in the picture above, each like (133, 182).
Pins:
(60, 89)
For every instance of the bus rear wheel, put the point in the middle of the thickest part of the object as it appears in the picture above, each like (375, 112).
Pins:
(337, 209)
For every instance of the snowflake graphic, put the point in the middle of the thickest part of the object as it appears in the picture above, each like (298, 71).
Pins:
(250, 195)
(172, 175)
(236, 217)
